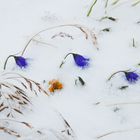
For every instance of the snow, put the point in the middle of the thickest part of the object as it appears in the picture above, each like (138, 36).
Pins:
(98, 110)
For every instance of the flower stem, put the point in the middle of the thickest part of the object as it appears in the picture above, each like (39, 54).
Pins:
(64, 59)
(114, 74)
(7, 61)
(90, 10)
(67, 55)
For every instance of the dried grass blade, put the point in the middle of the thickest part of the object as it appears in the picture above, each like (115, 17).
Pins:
(17, 110)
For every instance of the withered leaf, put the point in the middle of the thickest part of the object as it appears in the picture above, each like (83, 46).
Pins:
(15, 97)
(1, 105)
(17, 110)
(27, 124)
(5, 107)
(24, 85)
(26, 99)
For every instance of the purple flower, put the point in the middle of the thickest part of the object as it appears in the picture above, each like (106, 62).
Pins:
(80, 60)
(21, 61)
(131, 77)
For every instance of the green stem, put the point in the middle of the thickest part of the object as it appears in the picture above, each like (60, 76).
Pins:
(106, 4)
(115, 2)
(90, 10)
(134, 4)
(7, 61)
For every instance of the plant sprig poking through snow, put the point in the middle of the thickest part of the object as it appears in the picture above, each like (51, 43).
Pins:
(79, 80)
(68, 130)
(106, 5)
(109, 18)
(91, 8)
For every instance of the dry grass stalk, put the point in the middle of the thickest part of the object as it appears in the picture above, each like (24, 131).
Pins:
(68, 130)
(63, 35)
(117, 104)
(10, 131)
(83, 29)
(115, 132)
(14, 93)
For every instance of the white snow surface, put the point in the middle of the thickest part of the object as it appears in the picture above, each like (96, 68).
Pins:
(92, 110)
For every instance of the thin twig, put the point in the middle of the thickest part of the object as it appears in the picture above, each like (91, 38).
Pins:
(116, 104)
(68, 128)
(127, 103)
(108, 17)
(115, 74)
(44, 43)
(64, 59)
(134, 44)
(114, 132)
(5, 63)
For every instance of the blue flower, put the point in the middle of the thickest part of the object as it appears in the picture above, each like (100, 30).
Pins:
(131, 77)
(21, 61)
(80, 60)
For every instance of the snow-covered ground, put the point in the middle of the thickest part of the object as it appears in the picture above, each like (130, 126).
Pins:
(100, 109)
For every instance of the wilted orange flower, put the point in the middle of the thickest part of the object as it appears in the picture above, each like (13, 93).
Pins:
(55, 85)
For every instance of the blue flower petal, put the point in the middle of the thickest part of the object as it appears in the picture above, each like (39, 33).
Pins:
(131, 77)
(21, 61)
(80, 60)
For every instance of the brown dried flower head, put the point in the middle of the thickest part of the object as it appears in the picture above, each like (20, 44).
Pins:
(55, 85)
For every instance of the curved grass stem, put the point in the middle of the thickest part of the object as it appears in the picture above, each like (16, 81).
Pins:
(115, 132)
(115, 74)
(50, 28)
(64, 60)
(7, 61)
